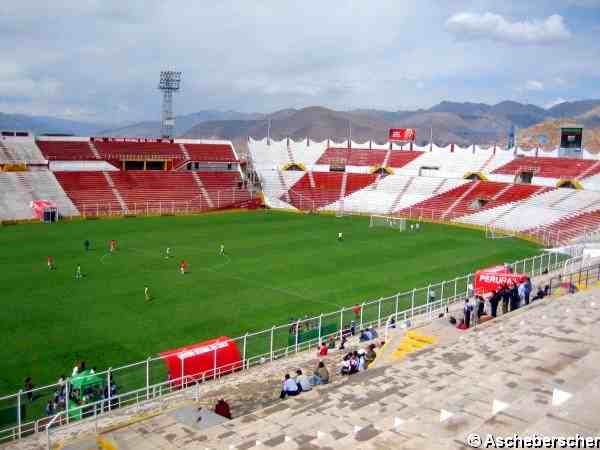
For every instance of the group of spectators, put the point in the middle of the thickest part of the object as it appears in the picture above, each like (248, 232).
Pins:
(78, 397)
(301, 382)
(354, 361)
(508, 298)
(357, 360)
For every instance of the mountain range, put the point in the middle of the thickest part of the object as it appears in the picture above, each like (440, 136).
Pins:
(451, 122)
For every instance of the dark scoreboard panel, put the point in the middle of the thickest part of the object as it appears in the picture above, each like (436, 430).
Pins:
(571, 138)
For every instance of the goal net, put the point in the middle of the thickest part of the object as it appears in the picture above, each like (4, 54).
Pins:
(396, 223)
(497, 233)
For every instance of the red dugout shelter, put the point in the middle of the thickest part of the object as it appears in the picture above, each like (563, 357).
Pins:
(203, 359)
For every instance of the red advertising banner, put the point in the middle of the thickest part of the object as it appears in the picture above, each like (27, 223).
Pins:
(39, 206)
(402, 134)
(493, 278)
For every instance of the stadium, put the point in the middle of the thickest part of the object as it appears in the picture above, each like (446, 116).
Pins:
(108, 217)
(391, 270)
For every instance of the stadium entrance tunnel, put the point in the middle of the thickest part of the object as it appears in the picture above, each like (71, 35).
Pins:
(569, 184)
(479, 203)
(525, 177)
(380, 170)
(428, 171)
(295, 166)
(475, 176)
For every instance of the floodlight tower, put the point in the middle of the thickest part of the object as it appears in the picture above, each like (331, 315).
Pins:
(168, 84)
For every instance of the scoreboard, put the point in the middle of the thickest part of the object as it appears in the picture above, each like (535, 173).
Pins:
(571, 142)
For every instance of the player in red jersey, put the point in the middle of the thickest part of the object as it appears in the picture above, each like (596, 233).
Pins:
(183, 267)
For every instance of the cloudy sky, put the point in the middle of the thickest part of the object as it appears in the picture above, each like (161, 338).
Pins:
(99, 60)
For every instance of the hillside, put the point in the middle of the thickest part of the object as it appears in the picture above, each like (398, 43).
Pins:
(451, 122)
(528, 137)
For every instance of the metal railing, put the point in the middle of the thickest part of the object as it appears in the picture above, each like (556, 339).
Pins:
(144, 381)
(220, 199)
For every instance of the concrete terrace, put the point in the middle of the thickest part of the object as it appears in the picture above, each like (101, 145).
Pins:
(531, 371)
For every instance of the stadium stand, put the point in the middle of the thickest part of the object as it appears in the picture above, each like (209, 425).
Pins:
(445, 162)
(163, 191)
(90, 192)
(116, 149)
(19, 189)
(210, 152)
(575, 225)
(552, 167)
(472, 197)
(542, 208)
(530, 371)
(65, 149)
(20, 149)
(328, 188)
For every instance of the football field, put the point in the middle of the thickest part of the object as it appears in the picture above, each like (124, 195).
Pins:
(277, 266)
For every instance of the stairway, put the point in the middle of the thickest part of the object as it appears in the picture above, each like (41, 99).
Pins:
(486, 163)
(290, 154)
(94, 150)
(343, 192)
(185, 152)
(284, 188)
(502, 191)
(311, 179)
(5, 155)
(587, 171)
(115, 191)
(202, 189)
(459, 199)
(400, 195)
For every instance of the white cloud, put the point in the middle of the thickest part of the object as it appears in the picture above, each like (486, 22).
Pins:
(494, 27)
(556, 101)
(585, 3)
(534, 85)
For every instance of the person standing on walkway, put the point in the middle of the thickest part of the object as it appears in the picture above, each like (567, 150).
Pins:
(467, 312)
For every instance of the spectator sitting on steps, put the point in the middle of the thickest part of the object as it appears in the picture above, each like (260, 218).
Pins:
(321, 375)
(222, 409)
(290, 387)
(302, 381)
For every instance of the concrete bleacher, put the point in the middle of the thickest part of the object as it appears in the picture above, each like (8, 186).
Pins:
(18, 189)
(530, 371)
(472, 197)
(20, 149)
(543, 208)
(444, 162)
(135, 191)
(65, 148)
(547, 167)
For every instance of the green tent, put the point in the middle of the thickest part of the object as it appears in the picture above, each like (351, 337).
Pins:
(84, 380)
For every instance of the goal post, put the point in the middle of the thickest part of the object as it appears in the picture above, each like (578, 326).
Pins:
(497, 233)
(396, 223)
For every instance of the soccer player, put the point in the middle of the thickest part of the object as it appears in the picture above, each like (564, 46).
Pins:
(78, 272)
(182, 267)
(222, 251)
(113, 245)
(168, 253)
(86, 244)
(417, 226)
(50, 263)
(340, 236)
(412, 227)
(147, 293)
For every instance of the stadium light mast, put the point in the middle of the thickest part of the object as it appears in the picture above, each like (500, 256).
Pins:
(169, 83)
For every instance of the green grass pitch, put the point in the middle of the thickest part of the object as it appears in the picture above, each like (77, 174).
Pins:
(278, 266)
